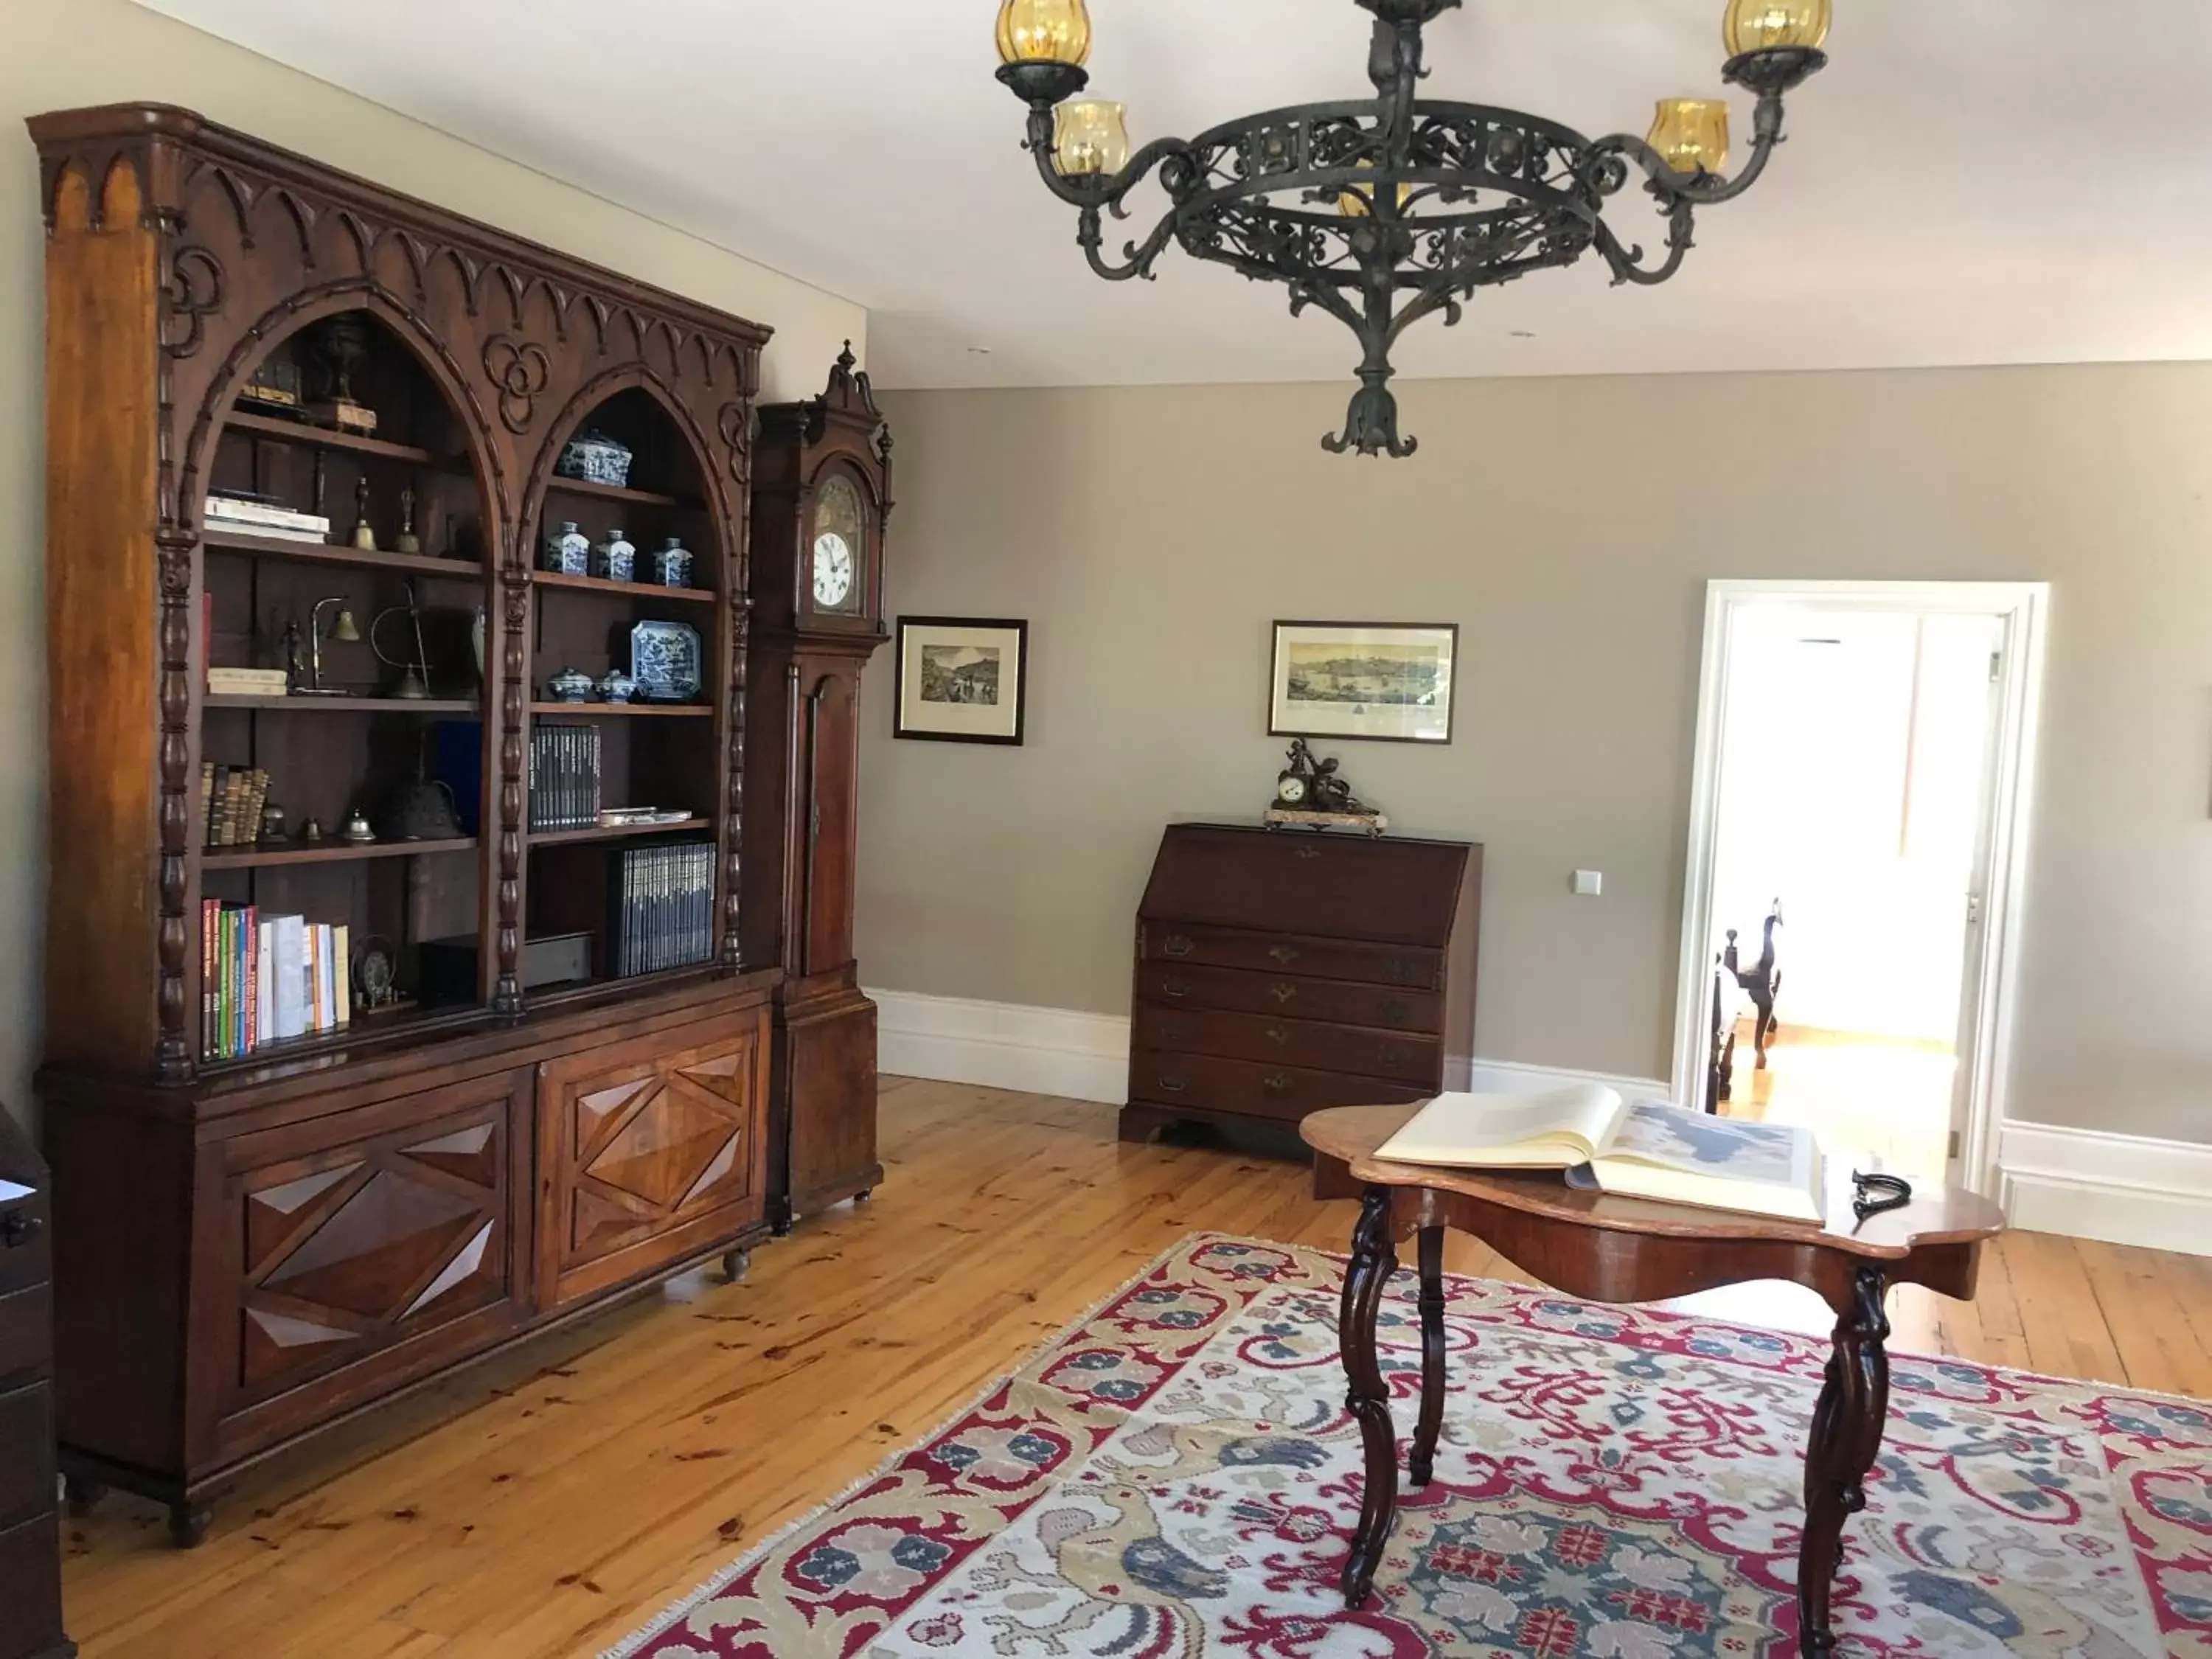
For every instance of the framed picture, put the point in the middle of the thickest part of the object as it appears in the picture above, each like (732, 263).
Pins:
(961, 679)
(1387, 681)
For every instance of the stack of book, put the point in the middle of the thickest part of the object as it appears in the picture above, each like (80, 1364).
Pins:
(564, 777)
(231, 799)
(662, 900)
(259, 516)
(267, 978)
(248, 683)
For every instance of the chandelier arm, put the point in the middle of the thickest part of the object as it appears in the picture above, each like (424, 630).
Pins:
(1091, 191)
(1701, 189)
(1139, 257)
(1628, 264)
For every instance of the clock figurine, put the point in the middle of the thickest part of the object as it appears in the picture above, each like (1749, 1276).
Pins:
(1312, 794)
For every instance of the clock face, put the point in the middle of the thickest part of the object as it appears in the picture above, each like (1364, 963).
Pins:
(1290, 790)
(833, 571)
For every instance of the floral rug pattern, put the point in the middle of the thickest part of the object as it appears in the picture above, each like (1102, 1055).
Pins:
(1176, 1477)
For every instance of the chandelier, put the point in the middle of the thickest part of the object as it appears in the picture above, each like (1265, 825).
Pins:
(1386, 211)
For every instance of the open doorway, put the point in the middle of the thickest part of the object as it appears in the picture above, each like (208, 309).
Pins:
(1859, 806)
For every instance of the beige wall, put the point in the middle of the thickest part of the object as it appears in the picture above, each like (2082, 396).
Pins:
(55, 54)
(1569, 526)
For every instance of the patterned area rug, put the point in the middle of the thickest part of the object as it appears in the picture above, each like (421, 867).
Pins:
(1176, 1477)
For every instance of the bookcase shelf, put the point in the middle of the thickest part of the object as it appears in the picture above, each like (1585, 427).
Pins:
(561, 486)
(647, 590)
(261, 857)
(621, 711)
(309, 705)
(351, 443)
(283, 547)
(615, 832)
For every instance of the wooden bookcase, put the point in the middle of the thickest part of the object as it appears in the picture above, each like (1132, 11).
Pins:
(248, 1248)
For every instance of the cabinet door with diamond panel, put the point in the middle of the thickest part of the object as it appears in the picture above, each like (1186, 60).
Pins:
(367, 1247)
(655, 1151)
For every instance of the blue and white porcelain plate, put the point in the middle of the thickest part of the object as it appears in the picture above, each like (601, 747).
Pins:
(665, 660)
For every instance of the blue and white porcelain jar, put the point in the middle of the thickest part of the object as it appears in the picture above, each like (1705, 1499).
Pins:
(570, 685)
(671, 565)
(615, 559)
(618, 687)
(596, 458)
(568, 551)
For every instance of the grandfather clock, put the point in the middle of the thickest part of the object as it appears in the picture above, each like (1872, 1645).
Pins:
(821, 496)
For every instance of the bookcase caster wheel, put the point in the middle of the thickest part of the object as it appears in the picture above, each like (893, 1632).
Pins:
(188, 1524)
(864, 1195)
(734, 1263)
(81, 1494)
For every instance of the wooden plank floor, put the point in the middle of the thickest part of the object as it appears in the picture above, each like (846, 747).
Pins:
(548, 1506)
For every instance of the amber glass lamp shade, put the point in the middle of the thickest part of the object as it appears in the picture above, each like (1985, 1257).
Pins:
(1690, 133)
(1357, 201)
(1090, 136)
(1044, 32)
(1770, 25)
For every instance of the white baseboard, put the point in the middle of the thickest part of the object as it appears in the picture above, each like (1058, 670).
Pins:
(1076, 1056)
(2121, 1189)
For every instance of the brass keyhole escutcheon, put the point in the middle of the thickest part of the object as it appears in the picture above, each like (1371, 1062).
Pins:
(1394, 1012)
(1280, 1034)
(1308, 855)
(1278, 1084)
(1394, 1057)
(1284, 954)
(1286, 993)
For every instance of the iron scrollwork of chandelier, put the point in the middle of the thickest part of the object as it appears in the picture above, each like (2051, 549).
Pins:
(1386, 211)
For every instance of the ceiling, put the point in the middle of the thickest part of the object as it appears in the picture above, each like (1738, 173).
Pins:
(1973, 181)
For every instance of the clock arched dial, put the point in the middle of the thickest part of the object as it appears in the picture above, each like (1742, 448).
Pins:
(841, 542)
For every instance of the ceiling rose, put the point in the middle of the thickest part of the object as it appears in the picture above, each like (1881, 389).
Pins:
(1385, 211)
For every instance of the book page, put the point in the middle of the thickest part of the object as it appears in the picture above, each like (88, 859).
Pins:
(1727, 1149)
(1550, 1130)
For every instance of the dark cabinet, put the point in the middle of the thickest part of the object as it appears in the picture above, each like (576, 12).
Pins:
(30, 1532)
(1279, 973)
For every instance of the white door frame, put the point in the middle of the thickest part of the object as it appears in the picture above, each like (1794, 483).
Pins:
(1993, 967)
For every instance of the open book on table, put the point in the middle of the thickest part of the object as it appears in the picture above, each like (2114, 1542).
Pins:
(1643, 1150)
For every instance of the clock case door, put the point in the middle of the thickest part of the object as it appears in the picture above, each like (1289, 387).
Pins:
(803, 778)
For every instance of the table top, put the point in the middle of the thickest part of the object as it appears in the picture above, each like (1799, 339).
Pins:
(1937, 1215)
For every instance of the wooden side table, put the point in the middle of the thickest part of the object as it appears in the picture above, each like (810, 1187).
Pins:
(1622, 1250)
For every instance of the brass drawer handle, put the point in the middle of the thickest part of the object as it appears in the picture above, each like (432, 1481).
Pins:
(1174, 1085)
(1286, 993)
(1284, 954)
(1280, 1035)
(1178, 947)
(1175, 988)
(18, 1229)
(1278, 1085)
(1394, 1011)
(1394, 1057)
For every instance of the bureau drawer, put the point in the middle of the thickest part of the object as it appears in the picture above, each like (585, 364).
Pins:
(1409, 966)
(1208, 1083)
(27, 1330)
(27, 1453)
(1399, 1057)
(30, 1587)
(1292, 996)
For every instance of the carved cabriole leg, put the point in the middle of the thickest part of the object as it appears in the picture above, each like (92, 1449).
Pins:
(1374, 1259)
(1847, 1426)
(1422, 1467)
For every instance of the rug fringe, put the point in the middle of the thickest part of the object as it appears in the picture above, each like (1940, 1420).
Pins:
(675, 1614)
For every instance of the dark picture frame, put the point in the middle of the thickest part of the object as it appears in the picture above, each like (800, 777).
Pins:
(1344, 716)
(946, 666)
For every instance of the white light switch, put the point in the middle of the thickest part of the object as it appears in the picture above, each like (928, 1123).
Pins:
(1589, 884)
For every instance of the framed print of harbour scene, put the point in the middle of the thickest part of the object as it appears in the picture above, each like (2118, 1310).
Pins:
(1387, 681)
(961, 679)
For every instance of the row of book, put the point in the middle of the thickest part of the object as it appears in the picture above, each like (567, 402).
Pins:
(263, 515)
(564, 777)
(662, 905)
(266, 978)
(231, 799)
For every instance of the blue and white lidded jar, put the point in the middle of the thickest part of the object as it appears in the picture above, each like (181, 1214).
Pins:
(568, 551)
(615, 559)
(671, 565)
(570, 685)
(618, 687)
